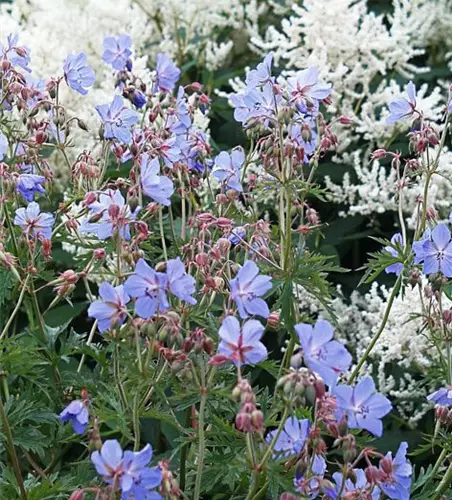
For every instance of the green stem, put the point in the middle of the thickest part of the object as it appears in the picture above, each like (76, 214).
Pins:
(16, 309)
(12, 451)
(269, 451)
(184, 452)
(136, 423)
(162, 233)
(437, 465)
(201, 436)
(363, 359)
(118, 378)
(444, 484)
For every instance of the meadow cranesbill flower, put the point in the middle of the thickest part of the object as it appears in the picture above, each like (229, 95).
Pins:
(77, 413)
(360, 488)
(397, 267)
(156, 186)
(256, 104)
(79, 76)
(403, 108)
(180, 121)
(128, 469)
(29, 184)
(181, 284)
(327, 357)
(293, 437)
(242, 346)
(16, 55)
(148, 287)
(110, 312)
(247, 288)
(363, 406)
(118, 120)
(117, 51)
(442, 397)
(435, 250)
(306, 90)
(167, 74)
(237, 235)
(311, 484)
(138, 479)
(33, 222)
(226, 169)
(3, 146)
(261, 74)
(110, 214)
(396, 472)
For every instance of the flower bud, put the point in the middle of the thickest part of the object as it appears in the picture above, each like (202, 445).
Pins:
(273, 320)
(77, 495)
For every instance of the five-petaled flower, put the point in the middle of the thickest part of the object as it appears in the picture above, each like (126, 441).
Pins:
(293, 437)
(442, 397)
(117, 51)
(306, 91)
(111, 311)
(33, 222)
(247, 289)
(329, 358)
(79, 75)
(226, 169)
(396, 472)
(109, 215)
(149, 288)
(156, 186)
(435, 250)
(401, 108)
(181, 284)
(118, 120)
(242, 345)
(359, 488)
(29, 184)
(167, 74)
(77, 413)
(363, 406)
(128, 470)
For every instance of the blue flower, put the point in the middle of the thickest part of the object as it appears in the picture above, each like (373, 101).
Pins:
(77, 413)
(181, 284)
(111, 311)
(247, 288)
(118, 120)
(109, 215)
(226, 169)
(435, 250)
(167, 74)
(137, 98)
(33, 222)
(117, 51)
(329, 358)
(237, 235)
(311, 485)
(363, 406)
(79, 76)
(242, 346)
(293, 437)
(180, 121)
(29, 184)
(128, 469)
(442, 396)
(306, 91)
(396, 482)
(256, 104)
(16, 55)
(402, 108)
(3, 146)
(156, 186)
(360, 488)
(397, 267)
(148, 287)
(262, 74)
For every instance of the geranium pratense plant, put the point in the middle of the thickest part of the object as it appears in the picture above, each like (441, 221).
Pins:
(171, 336)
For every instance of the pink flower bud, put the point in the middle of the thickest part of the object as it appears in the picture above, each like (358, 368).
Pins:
(273, 320)
(379, 153)
(99, 254)
(218, 360)
(345, 120)
(223, 222)
(89, 198)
